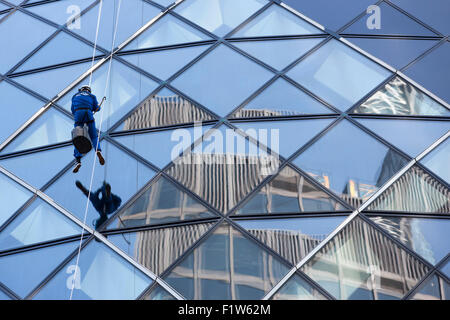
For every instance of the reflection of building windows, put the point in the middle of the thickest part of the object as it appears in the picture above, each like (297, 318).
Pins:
(158, 111)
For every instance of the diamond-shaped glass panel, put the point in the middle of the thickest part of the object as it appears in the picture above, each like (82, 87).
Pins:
(219, 268)
(338, 74)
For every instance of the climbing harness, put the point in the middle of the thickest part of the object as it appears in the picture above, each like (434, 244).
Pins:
(99, 129)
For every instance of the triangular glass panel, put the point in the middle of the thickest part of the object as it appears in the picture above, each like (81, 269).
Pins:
(281, 99)
(125, 175)
(50, 128)
(4, 296)
(396, 52)
(221, 266)
(56, 80)
(166, 31)
(428, 71)
(165, 108)
(22, 272)
(446, 269)
(40, 222)
(428, 237)
(393, 23)
(224, 168)
(127, 88)
(297, 289)
(281, 131)
(102, 274)
(159, 293)
(278, 53)
(12, 200)
(60, 12)
(157, 249)
(218, 16)
(23, 104)
(39, 167)
(400, 98)
(360, 263)
(223, 70)
(132, 16)
(429, 290)
(410, 136)
(165, 63)
(292, 238)
(168, 143)
(415, 191)
(164, 3)
(29, 30)
(289, 192)
(437, 160)
(62, 48)
(163, 202)
(338, 74)
(354, 170)
(276, 21)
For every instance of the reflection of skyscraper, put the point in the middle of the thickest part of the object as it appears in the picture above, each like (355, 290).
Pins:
(159, 111)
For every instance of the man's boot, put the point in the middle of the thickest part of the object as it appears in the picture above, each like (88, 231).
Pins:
(77, 166)
(100, 157)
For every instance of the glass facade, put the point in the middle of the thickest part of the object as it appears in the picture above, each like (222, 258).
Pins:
(257, 149)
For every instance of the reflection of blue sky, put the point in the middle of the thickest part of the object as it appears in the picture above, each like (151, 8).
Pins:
(310, 226)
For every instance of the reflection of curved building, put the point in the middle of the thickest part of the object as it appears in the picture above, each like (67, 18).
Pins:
(160, 111)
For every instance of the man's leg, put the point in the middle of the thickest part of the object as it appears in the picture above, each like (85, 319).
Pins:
(76, 153)
(95, 142)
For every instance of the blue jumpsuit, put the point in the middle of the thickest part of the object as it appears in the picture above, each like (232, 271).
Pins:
(84, 104)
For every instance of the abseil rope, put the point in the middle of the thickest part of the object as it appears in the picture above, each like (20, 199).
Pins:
(98, 140)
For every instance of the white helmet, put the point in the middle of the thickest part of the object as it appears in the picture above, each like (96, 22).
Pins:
(85, 88)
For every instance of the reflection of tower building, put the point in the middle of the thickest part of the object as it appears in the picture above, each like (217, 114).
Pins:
(255, 113)
(159, 111)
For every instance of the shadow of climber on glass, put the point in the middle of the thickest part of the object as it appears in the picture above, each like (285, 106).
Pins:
(103, 201)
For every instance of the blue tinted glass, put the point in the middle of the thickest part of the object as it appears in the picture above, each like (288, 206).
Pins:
(297, 289)
(165, 63)
(429, 290)
(51, 127)
(356, 170)
(4, 296)
(61, 11)
(62, 48)
(428, 237)
(218, 16)
(123, 173)
(3, 7)
(162, 203)
(338, 74)
(164, 3)
(159, 293)
(276, 21)
(393, 22)
(132, 16)
(126, 88)
(446, 268)
(331, 14)
(289, 192)
(428, 71)
(169, 143)
(410, 136)
(222, 264)
(24, 107)
(40, 222)
(157, 249)
(434, 14)
(22, 272)
(31, 33)
(401, 99)
(11, 200)
(163, 109)
(277, 135)
(415, 191)
(279, 53)
(55, 80)
(293, 239)
(437, 160)
(102, 275)
(359, 262)
(38, 168)
(396, 52)
(222, 71)
(167, 31)
(281, 99)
